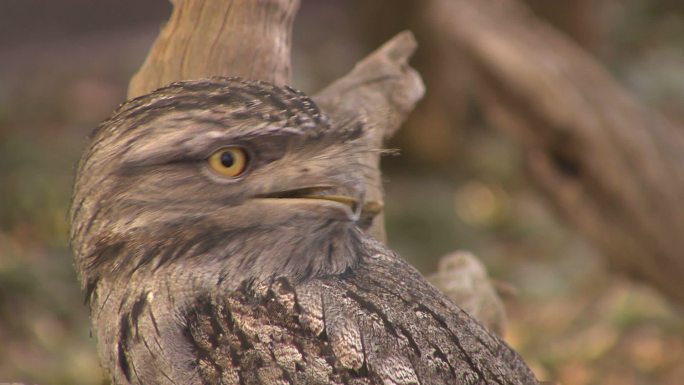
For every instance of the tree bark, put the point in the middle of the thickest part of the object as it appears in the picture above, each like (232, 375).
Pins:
(612, 167)
(250, 39)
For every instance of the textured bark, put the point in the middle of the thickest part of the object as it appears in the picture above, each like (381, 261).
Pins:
(203, 38)
(612, 167)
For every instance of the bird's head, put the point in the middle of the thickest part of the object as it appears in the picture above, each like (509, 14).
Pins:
(242, 177)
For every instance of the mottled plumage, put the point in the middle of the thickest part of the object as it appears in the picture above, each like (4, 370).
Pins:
(266, 278)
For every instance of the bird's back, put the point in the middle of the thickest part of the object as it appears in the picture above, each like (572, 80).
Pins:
(380, 323)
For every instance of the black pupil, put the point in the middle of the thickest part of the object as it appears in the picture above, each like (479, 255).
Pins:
(227, 159)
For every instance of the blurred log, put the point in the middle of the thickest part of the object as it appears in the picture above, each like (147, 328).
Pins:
(433, 135)
(583, 20)
(612, 167)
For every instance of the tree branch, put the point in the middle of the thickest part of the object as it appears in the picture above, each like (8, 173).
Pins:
(380, 91)
(204, 38)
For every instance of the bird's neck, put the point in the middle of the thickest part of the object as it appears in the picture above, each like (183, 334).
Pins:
(136, 314)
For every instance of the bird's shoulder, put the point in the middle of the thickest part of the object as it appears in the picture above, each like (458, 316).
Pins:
(379, 323)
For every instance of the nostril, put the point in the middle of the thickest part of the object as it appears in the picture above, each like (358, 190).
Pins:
(356, 209)
(305, 170)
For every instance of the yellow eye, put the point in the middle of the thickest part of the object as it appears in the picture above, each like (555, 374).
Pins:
(229, 161)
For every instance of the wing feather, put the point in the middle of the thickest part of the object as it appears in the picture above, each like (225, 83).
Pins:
(381, 323)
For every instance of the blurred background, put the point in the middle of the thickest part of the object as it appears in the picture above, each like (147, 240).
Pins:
(457, 184)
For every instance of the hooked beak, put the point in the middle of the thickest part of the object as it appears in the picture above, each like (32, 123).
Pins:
(329, 194)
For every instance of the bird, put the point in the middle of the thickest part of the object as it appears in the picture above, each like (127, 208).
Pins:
(215, 230)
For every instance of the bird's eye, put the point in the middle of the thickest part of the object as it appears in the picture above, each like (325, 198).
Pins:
(229, 161)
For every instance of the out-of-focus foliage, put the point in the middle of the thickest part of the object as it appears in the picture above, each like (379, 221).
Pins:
(458, 184)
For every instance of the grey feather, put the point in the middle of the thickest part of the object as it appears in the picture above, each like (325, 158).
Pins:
(194, 278)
